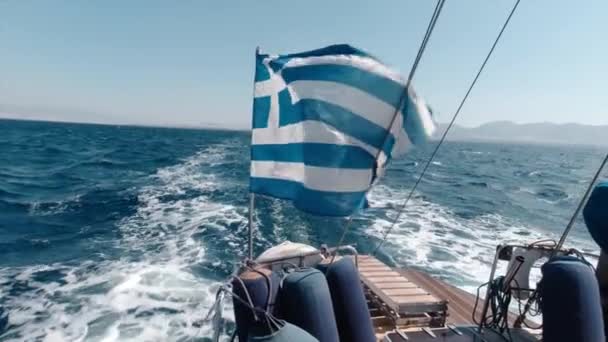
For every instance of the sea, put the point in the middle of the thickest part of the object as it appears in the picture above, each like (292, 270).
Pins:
(121, 233)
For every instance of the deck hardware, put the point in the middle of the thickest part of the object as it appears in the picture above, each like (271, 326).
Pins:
(401, 334)
(454, 329)
(477, 334)
(429, 332)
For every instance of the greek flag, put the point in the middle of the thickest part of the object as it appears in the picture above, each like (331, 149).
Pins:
(325, 124)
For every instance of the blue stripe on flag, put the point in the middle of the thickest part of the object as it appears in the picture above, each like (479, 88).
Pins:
(322, 203)
(261, 71)
(315, 154)
(381, 87)
(340, 49)
(342, 119)
(261, 111)
(338, 124)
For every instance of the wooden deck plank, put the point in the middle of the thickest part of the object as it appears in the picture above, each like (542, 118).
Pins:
(417, 299)
(389, 273)
(390, 286)
(382, 274)
(417, 293)
(412, 293)
(387, 279)
(405, 292)
(466, 335)
(395, 290)
(374, 267)
(376, 270)
(460, 302)
(367, 260)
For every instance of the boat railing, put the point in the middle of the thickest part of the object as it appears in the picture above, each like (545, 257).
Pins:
(323, 251)
(542, 249)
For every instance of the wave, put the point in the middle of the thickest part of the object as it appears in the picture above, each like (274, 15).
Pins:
(548, 193)
(153, 290)
(435, 239)
(552, 194)
(151, 236)
(105, 163)
(42, 208)
(6, 193)
(531, 174)
(54, 150)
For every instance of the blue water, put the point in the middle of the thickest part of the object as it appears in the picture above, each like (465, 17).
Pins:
(123, 233)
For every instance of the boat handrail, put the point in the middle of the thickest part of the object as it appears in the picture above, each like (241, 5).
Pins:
(324, 250)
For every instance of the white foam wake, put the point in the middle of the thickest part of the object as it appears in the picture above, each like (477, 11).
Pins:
(151, 293)
(433, 238)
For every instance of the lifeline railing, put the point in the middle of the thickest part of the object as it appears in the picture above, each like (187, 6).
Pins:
(505, 252)
(323, 251)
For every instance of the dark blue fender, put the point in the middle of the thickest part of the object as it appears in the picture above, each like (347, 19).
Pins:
(570, 302)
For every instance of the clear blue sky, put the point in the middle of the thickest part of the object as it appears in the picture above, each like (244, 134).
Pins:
(191, 62)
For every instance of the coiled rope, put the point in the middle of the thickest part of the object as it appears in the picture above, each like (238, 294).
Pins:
(535, 295)
(262, 315)
(500, 299)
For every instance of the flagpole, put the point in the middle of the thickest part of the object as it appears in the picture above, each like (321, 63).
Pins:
(251, 194)
(251, 208)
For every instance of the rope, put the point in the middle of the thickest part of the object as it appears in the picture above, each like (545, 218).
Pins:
(402, 100)
(533, 298)
(268, 285)
(580, 206)
(249, 302)
(451, 124)
(272, 322)
(425, 40)
(499, 307)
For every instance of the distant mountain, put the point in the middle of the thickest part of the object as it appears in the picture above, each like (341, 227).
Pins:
(548, 133)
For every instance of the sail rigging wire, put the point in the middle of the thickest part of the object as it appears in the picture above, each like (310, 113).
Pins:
(580, 206)
(404, 96)
(535, 295)
(425, 40)
(445, 133)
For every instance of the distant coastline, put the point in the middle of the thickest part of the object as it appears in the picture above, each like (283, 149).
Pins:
(496, 131)
(534, 133)
(215, 127)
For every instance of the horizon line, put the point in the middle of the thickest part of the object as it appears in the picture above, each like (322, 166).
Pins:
(209, 125)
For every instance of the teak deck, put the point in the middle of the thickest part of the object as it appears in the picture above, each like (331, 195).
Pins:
(396, 290)
(460, 302)
(419, 300)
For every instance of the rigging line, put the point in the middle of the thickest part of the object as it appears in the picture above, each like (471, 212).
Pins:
(421, 49)
(582, 203)
(558, 246)
(451, 124)
(425, 40)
